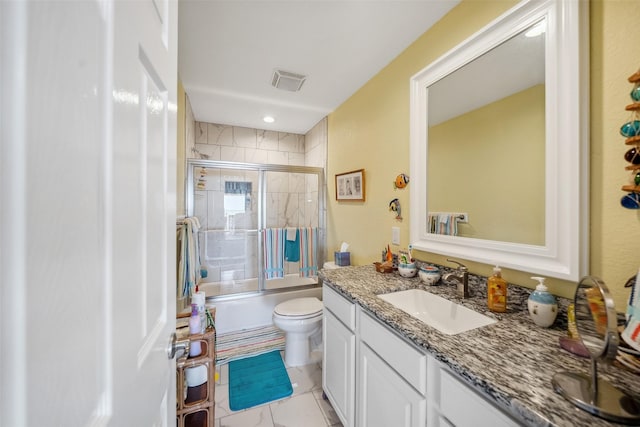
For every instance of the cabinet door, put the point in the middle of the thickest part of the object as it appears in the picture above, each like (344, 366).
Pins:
(338, 367)
(463, 407)
(385, 399)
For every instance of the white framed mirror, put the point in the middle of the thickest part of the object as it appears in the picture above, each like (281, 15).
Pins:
(499, 144)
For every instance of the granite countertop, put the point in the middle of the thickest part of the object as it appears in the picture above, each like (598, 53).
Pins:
(511, 362)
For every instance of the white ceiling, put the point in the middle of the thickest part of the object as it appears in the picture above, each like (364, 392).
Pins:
(228, 51)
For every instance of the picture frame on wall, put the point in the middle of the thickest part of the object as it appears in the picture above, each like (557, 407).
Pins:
(350, 185)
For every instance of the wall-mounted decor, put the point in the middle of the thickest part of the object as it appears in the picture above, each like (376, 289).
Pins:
(350, 185)
(631, 130)
(394, 206)
(401, 181)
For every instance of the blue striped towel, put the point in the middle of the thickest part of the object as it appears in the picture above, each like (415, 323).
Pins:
(443, 223)
(273, 245)
(308, 251)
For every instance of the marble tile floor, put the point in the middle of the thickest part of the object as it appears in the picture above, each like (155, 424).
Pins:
(305, 407)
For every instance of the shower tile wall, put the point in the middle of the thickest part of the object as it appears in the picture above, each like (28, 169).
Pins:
(316, 155)
(245, 145)
(292, 199)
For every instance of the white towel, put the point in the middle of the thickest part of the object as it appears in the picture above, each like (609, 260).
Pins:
(443, 223)
(443, 226)
(291, 234)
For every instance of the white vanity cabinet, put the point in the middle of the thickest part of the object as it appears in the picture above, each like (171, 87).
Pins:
(374, 377)
(391, 378)
(339, 354)
(461, 406)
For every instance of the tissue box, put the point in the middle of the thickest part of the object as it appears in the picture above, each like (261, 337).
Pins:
(342, 259)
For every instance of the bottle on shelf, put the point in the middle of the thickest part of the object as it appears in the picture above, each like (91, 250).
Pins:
(195, 328)
(199, 298)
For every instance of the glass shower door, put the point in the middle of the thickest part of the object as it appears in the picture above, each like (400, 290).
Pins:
(242, 207)
(291, 206)
(226, 204)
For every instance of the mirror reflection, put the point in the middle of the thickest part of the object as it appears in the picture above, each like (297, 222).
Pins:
(486, 144)
(595, 318)
(515, 146)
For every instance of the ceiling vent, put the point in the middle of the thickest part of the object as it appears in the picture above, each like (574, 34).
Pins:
(287, 81)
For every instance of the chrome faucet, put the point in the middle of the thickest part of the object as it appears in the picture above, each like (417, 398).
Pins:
(460, 277)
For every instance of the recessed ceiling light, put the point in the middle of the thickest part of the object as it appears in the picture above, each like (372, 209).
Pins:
(268, 119)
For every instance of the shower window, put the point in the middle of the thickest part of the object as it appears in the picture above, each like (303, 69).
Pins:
(237, 197)
(238, 206)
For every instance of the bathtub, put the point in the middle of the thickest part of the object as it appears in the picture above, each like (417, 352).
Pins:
(249, 310)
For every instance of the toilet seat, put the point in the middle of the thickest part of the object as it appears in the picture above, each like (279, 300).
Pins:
(299, 308)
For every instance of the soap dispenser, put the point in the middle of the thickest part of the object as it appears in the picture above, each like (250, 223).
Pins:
(497, 291)
(543, 306)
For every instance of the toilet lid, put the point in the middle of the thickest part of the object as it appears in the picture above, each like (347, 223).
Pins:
(299, 307)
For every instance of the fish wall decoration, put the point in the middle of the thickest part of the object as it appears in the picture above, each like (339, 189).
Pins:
(394, 206)
(401, 181)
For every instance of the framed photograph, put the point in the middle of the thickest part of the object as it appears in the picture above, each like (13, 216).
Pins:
(350, 185)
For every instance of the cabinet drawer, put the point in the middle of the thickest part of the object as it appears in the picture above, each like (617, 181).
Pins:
(408, 361)
(464, 407)
(342, 308)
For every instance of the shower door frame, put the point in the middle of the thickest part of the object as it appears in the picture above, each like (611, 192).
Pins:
(262, 170)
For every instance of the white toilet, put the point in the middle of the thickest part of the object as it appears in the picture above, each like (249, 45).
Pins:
(299, 318)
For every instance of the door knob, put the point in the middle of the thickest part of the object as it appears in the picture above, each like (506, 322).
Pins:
(177, 346)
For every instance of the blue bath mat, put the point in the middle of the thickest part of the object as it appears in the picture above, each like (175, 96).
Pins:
(257, 380)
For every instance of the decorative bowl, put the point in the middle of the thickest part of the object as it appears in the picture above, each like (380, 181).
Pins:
(407, 270)
(429, 274)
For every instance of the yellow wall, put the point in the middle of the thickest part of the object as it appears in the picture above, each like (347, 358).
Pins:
(615, 55)
(371, 131)
(493, 173)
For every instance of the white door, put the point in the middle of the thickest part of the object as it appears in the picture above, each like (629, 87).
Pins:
(87, 212)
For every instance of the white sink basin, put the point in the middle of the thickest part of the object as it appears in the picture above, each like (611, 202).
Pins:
(446, 316)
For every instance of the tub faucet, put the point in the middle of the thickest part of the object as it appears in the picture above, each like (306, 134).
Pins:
(460, 277)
